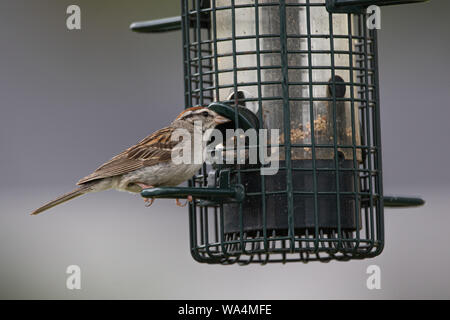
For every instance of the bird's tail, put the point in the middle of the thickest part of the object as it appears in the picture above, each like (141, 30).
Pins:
(65, 197)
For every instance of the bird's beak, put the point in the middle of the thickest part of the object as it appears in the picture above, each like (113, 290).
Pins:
(220, 119)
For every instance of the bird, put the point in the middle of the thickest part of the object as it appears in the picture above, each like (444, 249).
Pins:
(148, 164)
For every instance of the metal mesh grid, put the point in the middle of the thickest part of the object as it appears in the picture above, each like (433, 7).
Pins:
(336, 189)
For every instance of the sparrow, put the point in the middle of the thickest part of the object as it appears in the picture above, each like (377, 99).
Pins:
(148, 164)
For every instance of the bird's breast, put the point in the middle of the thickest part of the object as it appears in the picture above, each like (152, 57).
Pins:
(166, 174)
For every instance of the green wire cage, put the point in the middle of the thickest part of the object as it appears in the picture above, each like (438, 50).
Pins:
(308, 68)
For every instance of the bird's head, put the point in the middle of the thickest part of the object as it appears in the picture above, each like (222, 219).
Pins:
(208, 118)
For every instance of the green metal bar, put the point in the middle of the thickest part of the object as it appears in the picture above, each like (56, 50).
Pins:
(235, 87)
(311, 121)
(199, 50)
(197, 38)
(261, 122)
(402, 202)
(156, 26)
(214, 41)
(335, 142)
(369, 136)
(218, 212)
(379, 180)
(187, 54)
(187, 102)
(354, 123)
(202, 193)
(287, 120)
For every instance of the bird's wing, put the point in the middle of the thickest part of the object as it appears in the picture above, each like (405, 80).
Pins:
(154, 149)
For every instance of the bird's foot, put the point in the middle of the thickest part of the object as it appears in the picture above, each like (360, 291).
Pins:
(189, 199)
(149, 201)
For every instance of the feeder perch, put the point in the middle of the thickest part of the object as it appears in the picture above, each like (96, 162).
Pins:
(310, 69)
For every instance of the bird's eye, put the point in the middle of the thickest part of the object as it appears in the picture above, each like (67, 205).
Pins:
(205, 113)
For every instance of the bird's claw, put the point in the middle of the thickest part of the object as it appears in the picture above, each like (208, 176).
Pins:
(148, 202)
(189, 199)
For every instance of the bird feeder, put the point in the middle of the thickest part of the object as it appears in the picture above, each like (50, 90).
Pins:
(310, 69)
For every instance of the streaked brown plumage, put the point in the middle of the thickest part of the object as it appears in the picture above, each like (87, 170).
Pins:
(154, 149)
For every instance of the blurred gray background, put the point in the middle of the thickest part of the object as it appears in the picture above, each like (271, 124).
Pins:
(70, 100)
